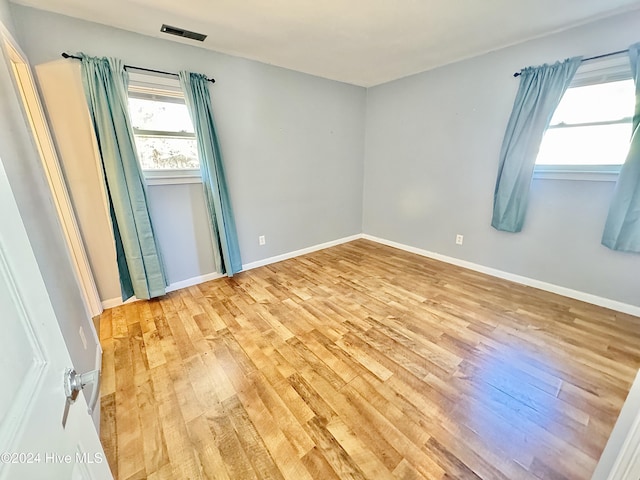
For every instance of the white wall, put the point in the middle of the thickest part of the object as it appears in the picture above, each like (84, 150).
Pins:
(431, 157)
(293, 144)
(26, 176)
(63, 98)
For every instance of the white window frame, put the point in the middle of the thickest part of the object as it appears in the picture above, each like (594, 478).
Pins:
(165, 86)
(593, 72)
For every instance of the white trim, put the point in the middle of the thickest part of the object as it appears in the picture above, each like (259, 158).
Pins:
(531, 282)
(580, 176)
(612, 68)
(39, 130)
(172, 179)
(628, 462)
(116, 302)
(155, 80)
(590, 173)
(189, 282)
(171, 172)
(297, 253)
(595, 72)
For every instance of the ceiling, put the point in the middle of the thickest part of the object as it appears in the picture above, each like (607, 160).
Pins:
(363, 42)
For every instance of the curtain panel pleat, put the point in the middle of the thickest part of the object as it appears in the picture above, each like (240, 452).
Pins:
(196, 91)
(539, 93)
(622, 227)
(138, 257)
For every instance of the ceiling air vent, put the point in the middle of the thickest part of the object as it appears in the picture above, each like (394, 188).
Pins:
(181, 32)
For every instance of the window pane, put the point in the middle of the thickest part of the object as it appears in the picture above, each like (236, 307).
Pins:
(167, 153)
(159, 116)
(596, 103)
(594, 145)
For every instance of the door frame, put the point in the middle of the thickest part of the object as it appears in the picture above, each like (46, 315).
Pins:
(620, 459)
(31, 105)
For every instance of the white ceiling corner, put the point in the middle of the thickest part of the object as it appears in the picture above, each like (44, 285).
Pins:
(362, 42)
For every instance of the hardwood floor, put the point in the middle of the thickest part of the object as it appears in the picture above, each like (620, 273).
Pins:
(362, 362)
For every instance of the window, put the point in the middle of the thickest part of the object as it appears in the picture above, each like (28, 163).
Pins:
(163, 131)
(591, 129)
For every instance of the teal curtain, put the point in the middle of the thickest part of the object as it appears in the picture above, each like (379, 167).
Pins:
(138, 256)
(539, 93)
(622, 228)
(196, 92)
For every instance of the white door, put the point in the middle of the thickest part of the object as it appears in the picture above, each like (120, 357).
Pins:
(33, 359)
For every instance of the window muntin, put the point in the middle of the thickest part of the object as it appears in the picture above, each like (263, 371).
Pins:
(163, 131)
(590, 130)
(602, 102)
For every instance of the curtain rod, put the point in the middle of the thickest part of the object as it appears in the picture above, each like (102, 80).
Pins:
(517, 74)
(66, 55)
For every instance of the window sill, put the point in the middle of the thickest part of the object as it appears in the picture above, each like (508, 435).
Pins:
(172, 177)
(600, 175)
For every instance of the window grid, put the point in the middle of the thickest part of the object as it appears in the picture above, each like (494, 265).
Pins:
(592, 124)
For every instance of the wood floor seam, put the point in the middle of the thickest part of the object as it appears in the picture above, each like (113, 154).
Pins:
(362, 361)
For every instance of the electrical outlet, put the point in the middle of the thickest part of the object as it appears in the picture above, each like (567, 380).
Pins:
(82, 337)
(459, 239)
(262, 240)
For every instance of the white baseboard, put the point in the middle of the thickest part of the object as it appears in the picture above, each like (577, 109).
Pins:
(297, 253)
(115, 302)
(494, 272)
(531, 282)
(189, 282)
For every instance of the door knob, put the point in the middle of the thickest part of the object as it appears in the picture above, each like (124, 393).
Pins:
(74, 382)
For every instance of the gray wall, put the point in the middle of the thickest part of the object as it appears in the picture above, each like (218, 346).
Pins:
(293, 144)
(5, 16)
(26, 175)
(431, 157)
(179, 215)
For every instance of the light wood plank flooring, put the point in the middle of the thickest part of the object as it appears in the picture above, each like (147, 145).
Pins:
(362, 362)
